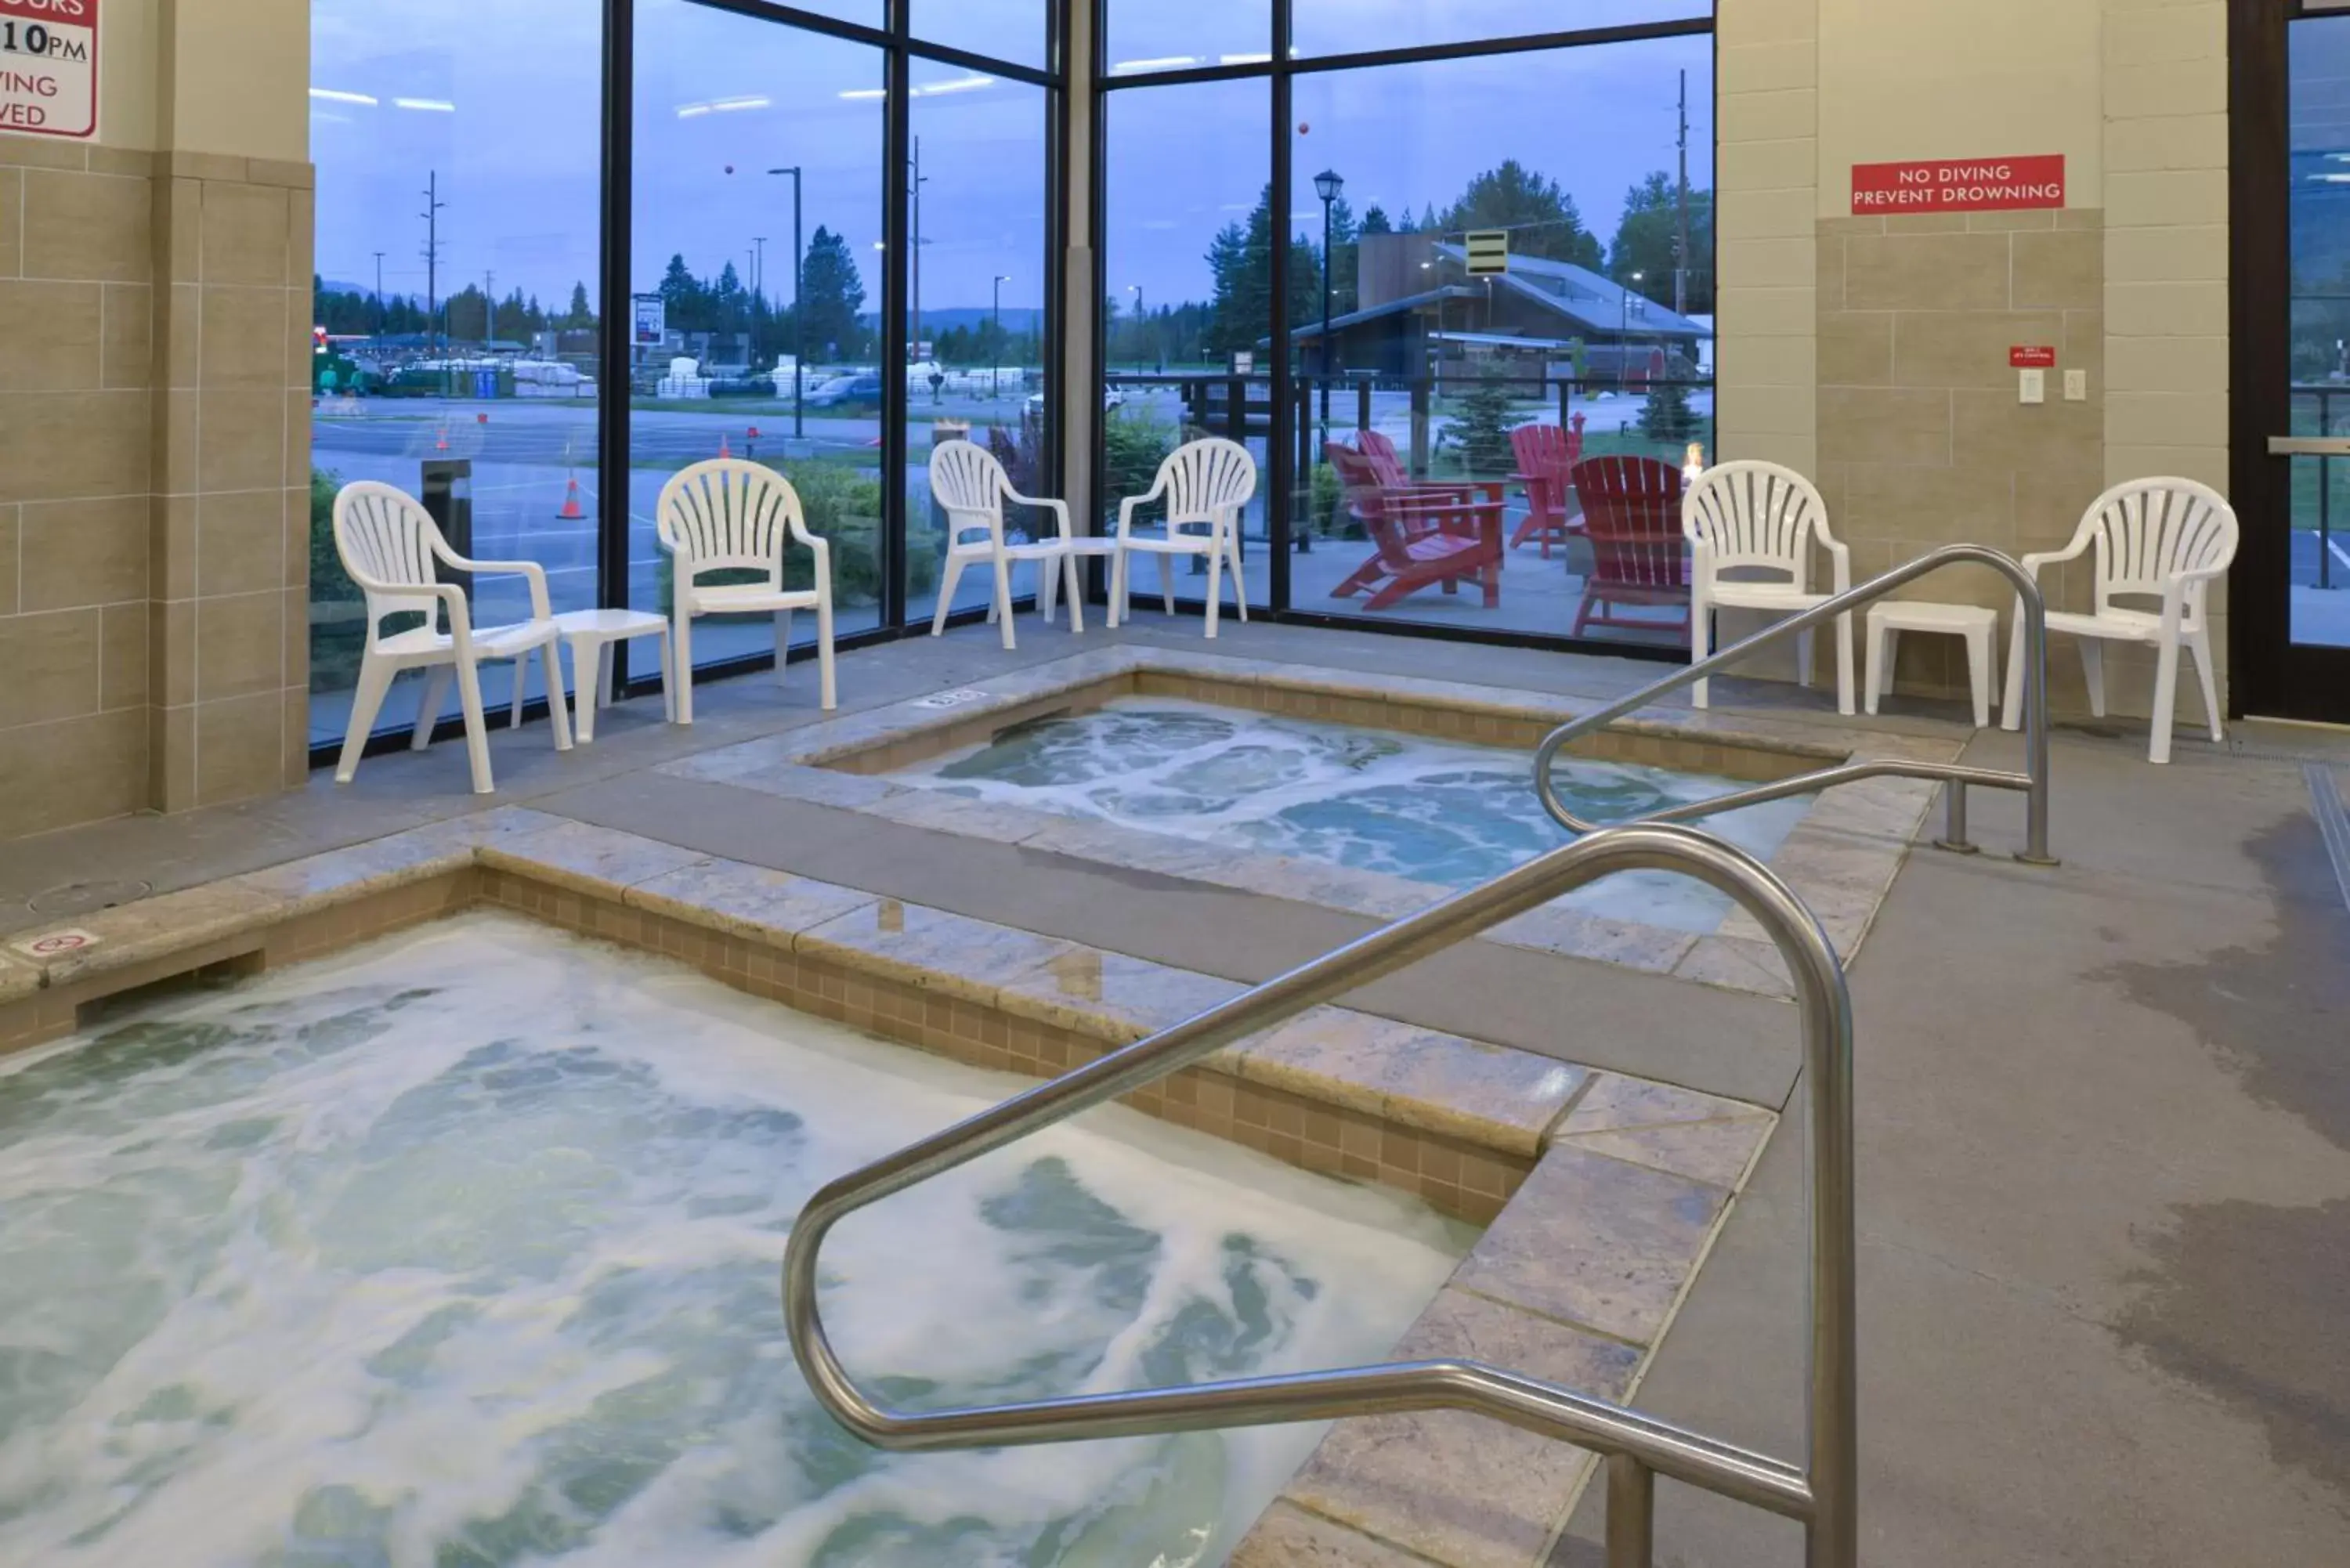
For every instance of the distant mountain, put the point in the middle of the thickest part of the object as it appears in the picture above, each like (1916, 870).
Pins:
(1015, 318)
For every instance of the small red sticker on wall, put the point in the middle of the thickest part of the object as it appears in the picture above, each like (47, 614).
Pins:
(1959, 185)
(2026, 357)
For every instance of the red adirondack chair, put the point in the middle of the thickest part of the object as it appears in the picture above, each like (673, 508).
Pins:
(1386, 466)
(1420, 534)
(1547, 457)
(1632, 515)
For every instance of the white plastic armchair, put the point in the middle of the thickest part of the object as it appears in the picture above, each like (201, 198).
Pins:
(1206, 484)
(2161, 539)
(972, 487)
(390, 546)
(1760, 522)
(728, 514)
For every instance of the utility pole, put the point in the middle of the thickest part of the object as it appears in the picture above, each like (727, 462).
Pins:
(489, 307)
(914, 344)
(379, 293)
(1681, 245)
(799, 353)
(431, 216)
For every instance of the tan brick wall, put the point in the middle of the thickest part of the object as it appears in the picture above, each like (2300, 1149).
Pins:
(75, 288)
(229, 509)
(1922, 439)
(154, 427)
(1909, 402)
(1766, 314)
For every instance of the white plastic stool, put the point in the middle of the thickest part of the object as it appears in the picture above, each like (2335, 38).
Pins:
(590, 634)
(1888, 618)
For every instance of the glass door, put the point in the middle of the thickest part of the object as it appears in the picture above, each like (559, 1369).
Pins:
(2291, 590)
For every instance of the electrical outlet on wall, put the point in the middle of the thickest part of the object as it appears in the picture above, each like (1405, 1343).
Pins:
(2077, 386)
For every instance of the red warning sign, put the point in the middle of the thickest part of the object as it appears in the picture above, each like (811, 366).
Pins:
(1959, 185)
(2031, 356)
(48, 67)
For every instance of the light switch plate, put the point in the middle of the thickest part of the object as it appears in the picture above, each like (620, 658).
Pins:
(2077, 386)
(2032, 385)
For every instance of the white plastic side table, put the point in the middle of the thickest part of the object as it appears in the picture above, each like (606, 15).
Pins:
(1888, 618)
(590, 634)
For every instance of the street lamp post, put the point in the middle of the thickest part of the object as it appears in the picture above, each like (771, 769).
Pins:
(1326, 185)
(995, 349)
(1624, 336)
(1140, 319)
(799, 321)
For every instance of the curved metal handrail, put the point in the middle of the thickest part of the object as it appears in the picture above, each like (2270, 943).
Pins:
(1820, 1493)
(2032, 781)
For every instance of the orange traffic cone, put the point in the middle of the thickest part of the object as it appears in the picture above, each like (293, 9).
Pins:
(570, 512)
(722, 448)
(441, 439)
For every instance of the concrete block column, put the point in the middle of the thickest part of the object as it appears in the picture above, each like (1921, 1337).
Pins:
(229, 514)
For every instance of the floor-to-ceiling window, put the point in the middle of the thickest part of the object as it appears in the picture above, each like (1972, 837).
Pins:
(1478, 254)
(533, 348)
(758, 161)
(459, 288)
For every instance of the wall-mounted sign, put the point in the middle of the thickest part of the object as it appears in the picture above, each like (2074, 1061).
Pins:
(49, 66)
(652, 317)
(1959, 185)
(2031, 356)
(1488, 252)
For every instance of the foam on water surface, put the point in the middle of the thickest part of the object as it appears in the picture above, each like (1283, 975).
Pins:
(1433, 810)
(462, 1250)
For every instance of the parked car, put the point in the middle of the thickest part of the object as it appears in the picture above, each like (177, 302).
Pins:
(864, 387)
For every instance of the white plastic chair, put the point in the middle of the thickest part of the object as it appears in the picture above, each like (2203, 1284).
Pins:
(728, 514)
(1205, 483)
(1761, 520)
(973, 487)
(388, 545)
(2156, 538)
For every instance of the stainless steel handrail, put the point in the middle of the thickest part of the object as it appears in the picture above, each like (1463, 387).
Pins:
(2032, 781)
(1820, 1493)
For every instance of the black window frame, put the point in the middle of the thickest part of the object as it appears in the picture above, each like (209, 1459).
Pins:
(1280, 70)
(900, 49)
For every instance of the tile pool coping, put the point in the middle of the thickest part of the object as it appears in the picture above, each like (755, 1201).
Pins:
(1602, 1193)
(1841, 856)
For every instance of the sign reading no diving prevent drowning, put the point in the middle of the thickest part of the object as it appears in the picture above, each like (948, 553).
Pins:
(1488, 250)
(1959, 185)
(48, 67)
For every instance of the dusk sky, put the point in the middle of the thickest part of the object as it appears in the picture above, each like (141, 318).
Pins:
(501, 97)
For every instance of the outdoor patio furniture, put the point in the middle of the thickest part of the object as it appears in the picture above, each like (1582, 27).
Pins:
(1546, 456)
(725, 514)
(1631, 515)
(1205, 484)
(1420, 534)
(1751, 527)
(590, 634)
(2161, 539)
(390, 546)
(972, 487)
(1888, 618)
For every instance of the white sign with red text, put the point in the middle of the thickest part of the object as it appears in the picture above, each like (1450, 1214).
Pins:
(48, 67)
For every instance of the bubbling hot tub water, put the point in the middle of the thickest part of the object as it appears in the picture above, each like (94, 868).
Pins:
(1433, 811)
(462, 1250)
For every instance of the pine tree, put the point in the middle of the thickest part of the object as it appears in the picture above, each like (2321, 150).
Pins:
(1665, 415)
(832, 293)
(1483, 427)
